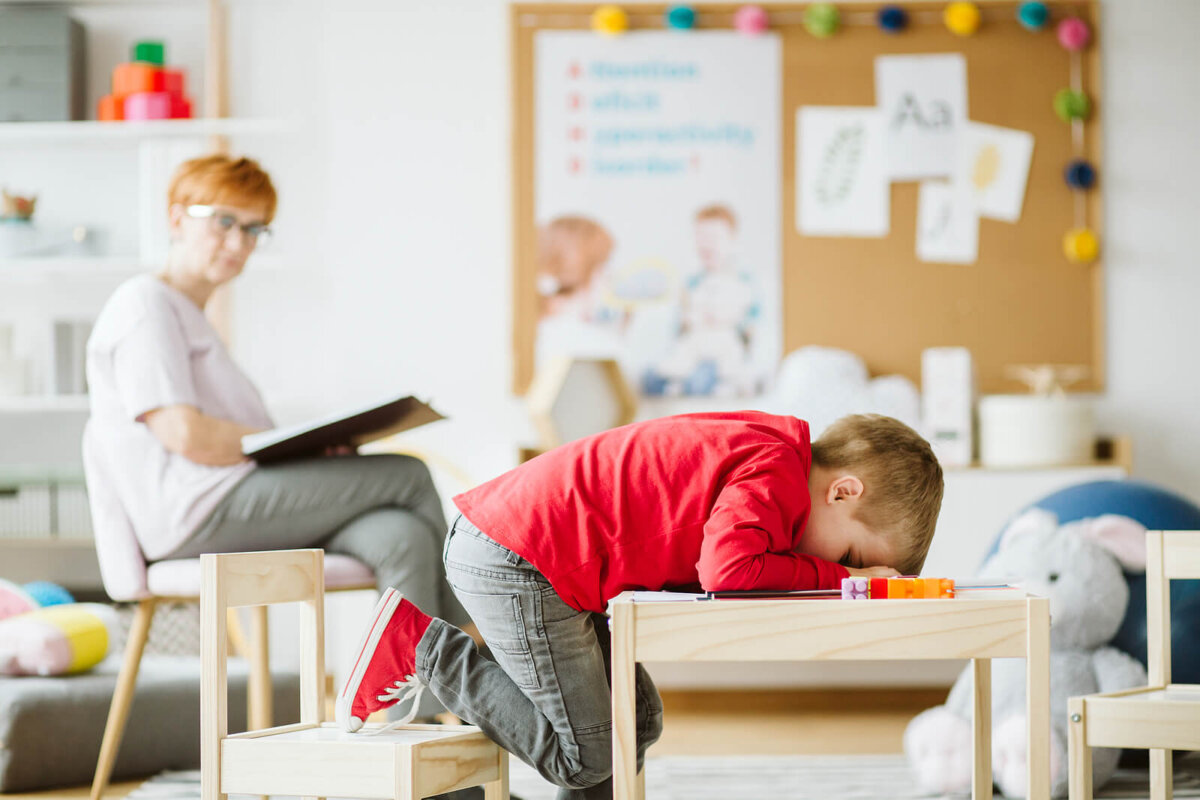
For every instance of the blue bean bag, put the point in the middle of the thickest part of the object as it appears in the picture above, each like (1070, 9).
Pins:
(1157, 509)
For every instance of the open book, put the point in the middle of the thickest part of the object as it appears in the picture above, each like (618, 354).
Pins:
(353, 428)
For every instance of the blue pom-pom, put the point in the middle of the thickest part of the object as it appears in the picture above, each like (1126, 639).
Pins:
(1033, 15)
(48, 594)
(681, 17)
(892, 19)
(1079, 174)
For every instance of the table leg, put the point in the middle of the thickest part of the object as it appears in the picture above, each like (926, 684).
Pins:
(626, 785)
(981, 781)
(1037, 696)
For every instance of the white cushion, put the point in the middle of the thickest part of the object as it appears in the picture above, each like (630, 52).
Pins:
(180, 577)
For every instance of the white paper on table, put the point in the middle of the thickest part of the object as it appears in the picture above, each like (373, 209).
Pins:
(923, 100)
(993, 166)
(841, 185)
(947, 225)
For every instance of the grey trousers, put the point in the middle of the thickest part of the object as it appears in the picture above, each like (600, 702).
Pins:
(381, 509)
(546, 698)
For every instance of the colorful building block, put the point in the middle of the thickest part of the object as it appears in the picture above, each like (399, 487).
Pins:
(897, 588)
(129, 79)
(149, 52)
(173, 81)
(181, 107)
(148, 105)
(110, 108)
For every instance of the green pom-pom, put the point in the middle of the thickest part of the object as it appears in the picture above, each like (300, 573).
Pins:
(1070, 105)
(822, 20)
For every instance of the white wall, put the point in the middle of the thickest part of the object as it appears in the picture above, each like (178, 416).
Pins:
(414, 291)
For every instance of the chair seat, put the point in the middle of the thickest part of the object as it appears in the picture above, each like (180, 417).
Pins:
(180, 577)
(1149, 717)
(325, 761)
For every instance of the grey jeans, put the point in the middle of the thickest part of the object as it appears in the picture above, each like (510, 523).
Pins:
(381, 509)
(546, 697)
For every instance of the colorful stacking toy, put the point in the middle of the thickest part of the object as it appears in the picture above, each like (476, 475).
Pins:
(897, 588)
(144, 88)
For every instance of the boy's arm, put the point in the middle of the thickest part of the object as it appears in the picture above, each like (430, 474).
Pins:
(748, 537)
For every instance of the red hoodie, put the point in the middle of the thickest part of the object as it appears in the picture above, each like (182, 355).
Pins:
(716, 501)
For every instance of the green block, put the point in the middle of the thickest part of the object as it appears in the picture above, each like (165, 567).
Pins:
(149, 52)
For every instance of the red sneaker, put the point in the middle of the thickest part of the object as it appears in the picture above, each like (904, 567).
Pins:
(385, 671)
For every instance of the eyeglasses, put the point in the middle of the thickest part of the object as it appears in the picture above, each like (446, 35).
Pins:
(258, 233)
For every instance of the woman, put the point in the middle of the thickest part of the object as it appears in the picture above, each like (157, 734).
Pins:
(170, 406)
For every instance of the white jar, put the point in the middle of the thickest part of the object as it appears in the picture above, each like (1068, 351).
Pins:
(1035, 430)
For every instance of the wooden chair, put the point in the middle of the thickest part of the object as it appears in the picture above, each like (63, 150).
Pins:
(128, 577)
(1161, 716)
(314, 758)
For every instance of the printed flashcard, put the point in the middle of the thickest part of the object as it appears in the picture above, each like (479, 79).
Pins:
(923, 100)
(993, 166)
(947, 224)
(842, 187)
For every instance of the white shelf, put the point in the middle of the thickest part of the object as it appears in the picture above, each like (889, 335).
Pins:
(36, 269)
(44, 402)
(93, 131)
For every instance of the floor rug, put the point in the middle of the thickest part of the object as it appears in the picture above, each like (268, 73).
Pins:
(882, 777)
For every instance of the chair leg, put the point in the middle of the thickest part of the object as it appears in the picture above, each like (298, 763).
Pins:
(118, 712)
(1079, 755)
(1161, 775)
(259, 712)
(498, 789)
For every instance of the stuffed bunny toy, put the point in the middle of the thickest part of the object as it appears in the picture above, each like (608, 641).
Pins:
(1079, 567)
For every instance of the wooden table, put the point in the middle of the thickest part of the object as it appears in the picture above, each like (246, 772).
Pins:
(979, 625)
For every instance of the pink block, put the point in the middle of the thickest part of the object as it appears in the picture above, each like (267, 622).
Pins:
(148, 105)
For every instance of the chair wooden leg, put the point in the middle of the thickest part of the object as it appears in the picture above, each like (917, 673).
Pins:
(259, 695)
(1079, 755)
(118, 712)
(1161, 775)
(498, 789)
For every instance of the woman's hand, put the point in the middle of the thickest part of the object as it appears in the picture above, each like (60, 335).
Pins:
(873, 572)
(196, 436)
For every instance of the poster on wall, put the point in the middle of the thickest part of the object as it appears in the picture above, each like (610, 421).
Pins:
(842, 187)
(657, 184)
(993, 166)
(923, 99)
(947, 224)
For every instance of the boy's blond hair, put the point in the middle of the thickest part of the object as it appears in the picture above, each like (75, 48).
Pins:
(222, 180)
(902, 481)
(717, 211)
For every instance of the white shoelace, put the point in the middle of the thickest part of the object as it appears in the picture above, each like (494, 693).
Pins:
(411, 688)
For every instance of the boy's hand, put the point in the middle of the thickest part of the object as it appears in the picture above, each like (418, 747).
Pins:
(873, 572)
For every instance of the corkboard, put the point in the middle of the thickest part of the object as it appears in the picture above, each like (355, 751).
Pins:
(1022, 302)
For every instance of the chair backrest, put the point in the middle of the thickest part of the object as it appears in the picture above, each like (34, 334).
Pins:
(122, 563)
(1169, 555)
(232, 580)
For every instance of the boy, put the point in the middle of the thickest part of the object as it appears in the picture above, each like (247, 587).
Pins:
(720, 501)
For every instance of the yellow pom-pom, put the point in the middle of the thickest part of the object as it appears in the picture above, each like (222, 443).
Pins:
(962, 18)
(1081, 246)
(610, 20)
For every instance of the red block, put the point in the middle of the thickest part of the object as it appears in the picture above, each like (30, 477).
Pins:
(173, 81)
(181, 107)
(878, 590)
(136, 77)
(111, 108)
(148, 105)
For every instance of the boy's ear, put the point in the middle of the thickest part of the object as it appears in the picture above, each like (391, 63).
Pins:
(846, 487)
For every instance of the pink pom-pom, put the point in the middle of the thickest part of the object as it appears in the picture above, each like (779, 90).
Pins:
(1074, 34)
(750, 19)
